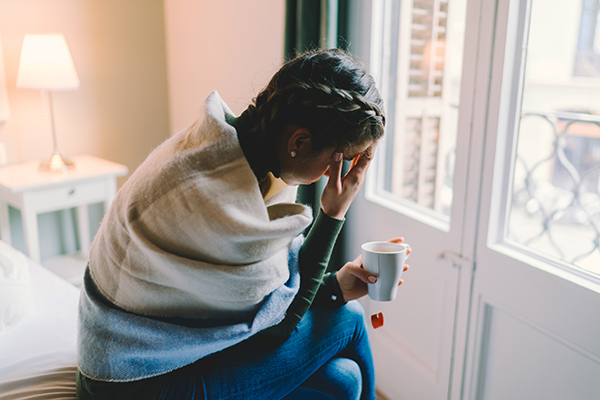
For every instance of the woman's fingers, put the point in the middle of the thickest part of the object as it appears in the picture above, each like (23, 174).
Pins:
(396, 240)
(335, 170)
(360, 164)
(405, 269)
(362, 274)
(341, 191)
(331, 202)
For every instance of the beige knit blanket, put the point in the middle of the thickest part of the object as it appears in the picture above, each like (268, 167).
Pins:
(189, 233)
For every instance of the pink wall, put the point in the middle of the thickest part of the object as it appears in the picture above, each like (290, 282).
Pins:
(232, 46)
(145, 68)
(120, 110)
(121, 50)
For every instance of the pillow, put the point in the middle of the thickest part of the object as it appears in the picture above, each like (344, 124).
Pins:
(16, 296)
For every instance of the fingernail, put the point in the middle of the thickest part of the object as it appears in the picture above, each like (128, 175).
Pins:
(337, 157)
(372, 279)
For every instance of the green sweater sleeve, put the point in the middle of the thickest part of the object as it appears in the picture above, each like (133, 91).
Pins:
(313, 258)
(329, 294)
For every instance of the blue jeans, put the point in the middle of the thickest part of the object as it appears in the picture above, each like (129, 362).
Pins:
(327, 357)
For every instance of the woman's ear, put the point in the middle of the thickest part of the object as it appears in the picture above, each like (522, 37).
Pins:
(299, 142)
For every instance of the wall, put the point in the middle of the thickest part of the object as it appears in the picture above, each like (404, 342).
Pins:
(232, 46)
(128, 101)
(120, 111)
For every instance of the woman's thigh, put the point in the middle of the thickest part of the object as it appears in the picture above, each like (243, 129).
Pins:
(260, 368)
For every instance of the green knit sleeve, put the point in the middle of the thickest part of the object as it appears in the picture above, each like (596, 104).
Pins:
(329, 294)
(313, 258)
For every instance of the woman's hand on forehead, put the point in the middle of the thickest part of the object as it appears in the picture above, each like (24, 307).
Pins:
(341, 191)
(368, 153)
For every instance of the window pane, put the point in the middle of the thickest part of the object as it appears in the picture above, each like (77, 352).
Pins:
(425, 104)
(556, 191)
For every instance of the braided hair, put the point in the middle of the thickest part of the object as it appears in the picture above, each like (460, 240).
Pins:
(327, 92)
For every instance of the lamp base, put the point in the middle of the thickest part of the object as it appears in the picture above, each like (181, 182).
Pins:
(56, 163)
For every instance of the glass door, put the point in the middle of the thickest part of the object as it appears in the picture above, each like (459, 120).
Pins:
(417, 186)
(535, 314)
(491, 171)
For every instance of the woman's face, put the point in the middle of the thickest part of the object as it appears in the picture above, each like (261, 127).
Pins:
(309, 168)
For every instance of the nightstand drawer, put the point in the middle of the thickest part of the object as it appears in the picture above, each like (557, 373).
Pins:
(68, 196)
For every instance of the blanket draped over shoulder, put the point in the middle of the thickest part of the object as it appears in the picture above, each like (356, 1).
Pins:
(189, 236)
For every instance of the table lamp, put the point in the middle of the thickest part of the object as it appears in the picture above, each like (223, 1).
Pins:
(46, 65)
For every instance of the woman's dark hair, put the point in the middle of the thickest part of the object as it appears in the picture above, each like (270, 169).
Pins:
(329, 93)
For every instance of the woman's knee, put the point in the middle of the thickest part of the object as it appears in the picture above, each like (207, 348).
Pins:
(352, 314)
(338, 379)
(345, 377)
(353, 307)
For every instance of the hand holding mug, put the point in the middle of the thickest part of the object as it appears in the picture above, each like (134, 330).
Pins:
(355, 281)
(385, 260)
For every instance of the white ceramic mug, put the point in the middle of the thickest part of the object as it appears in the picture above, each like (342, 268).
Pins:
(386, 261)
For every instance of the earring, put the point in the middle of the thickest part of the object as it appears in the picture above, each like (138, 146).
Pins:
(292, 154)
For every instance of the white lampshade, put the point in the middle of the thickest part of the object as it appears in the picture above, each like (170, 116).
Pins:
(46, 64)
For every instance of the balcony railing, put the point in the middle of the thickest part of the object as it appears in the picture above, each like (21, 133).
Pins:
(556, 193)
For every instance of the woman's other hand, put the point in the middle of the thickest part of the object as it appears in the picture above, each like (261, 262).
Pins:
(341, 191)
(353, 279)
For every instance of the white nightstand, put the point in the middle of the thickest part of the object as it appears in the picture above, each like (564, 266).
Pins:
(33, 192)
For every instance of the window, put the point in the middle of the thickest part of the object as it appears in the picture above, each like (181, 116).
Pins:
(422, 76)
(556, 187)
(587, 57)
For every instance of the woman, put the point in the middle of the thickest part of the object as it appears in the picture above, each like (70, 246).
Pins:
(199, 284)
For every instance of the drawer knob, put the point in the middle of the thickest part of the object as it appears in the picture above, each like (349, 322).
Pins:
(71, 192)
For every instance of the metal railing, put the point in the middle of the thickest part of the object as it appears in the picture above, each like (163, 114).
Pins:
(556, 198)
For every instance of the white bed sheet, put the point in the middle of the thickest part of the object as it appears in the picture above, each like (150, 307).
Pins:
(38, 355)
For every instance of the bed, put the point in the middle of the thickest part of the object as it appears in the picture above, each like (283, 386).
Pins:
(38, 348)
